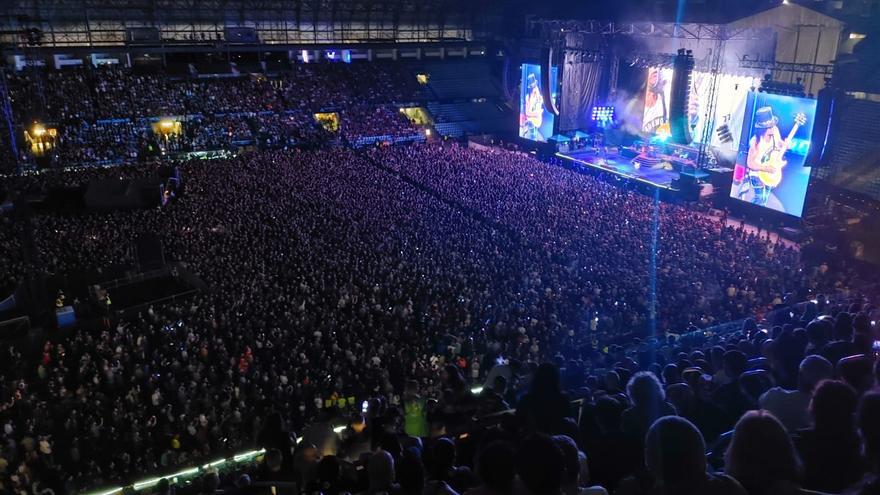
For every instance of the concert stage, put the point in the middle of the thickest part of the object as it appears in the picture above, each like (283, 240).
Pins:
(622, 166)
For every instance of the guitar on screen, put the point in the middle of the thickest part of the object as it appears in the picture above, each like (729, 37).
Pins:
(775, 159)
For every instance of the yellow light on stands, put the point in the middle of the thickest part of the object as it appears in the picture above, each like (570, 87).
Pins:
(167, 127)
(38, 130)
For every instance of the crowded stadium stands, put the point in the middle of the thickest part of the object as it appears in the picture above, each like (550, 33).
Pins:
(379, 309)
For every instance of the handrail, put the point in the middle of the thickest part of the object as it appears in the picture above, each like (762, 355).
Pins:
(182, 475)
(192, 472)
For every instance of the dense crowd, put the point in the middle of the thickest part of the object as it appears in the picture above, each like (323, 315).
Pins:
(81, 142)
(403, 276)
(109, 92)
(706, 272)
(105, 114)
(280, 130)
(363, 120)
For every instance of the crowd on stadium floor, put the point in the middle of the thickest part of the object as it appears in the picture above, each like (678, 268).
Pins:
(402, 277)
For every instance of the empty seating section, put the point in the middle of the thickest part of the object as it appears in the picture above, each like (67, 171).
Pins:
(449, 81)
(854, 148)
(457, 119)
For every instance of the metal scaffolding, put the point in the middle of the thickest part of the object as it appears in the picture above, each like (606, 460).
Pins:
(705, 157)
(792, 67)
(96, 23)
(547, 28)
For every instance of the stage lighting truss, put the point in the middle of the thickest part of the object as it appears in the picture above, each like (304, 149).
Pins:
(794, 67)
(768, 85)
(548, 28)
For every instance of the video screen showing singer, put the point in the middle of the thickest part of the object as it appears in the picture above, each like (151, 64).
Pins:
(656, 114)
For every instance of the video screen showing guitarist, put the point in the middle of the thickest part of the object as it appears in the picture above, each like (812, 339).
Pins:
(766, 156)
(533, 108)
(536, 117)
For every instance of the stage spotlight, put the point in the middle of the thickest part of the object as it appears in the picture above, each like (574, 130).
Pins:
(603, 115)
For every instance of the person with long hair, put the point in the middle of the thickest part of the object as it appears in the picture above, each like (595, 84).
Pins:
(533, 111)
(545, 406)
(766, 148)
(868, 417)
(649, 403)
(762, 457)
(830, 449)
(656, 113)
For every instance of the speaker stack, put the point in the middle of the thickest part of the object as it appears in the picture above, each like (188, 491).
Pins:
(683, 69)
(822, 126)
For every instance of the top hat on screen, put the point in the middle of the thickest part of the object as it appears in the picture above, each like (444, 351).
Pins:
(764, 118)
(532, 80)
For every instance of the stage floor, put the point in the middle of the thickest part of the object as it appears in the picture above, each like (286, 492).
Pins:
(622, 166)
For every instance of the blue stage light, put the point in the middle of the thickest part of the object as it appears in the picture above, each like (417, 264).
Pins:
(603, 114)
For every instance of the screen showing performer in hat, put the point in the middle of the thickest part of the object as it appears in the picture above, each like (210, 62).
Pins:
(766, 153)
(535, 119)
(769, 171)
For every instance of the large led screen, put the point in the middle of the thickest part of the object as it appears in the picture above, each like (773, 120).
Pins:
(655, 119)
(730, 97)
(770, 169)
(535, 118)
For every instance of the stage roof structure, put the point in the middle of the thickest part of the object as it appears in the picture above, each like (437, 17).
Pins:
(69, 23)
(803, 36)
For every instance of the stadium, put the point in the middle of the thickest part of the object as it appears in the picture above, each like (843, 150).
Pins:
(421, 247)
